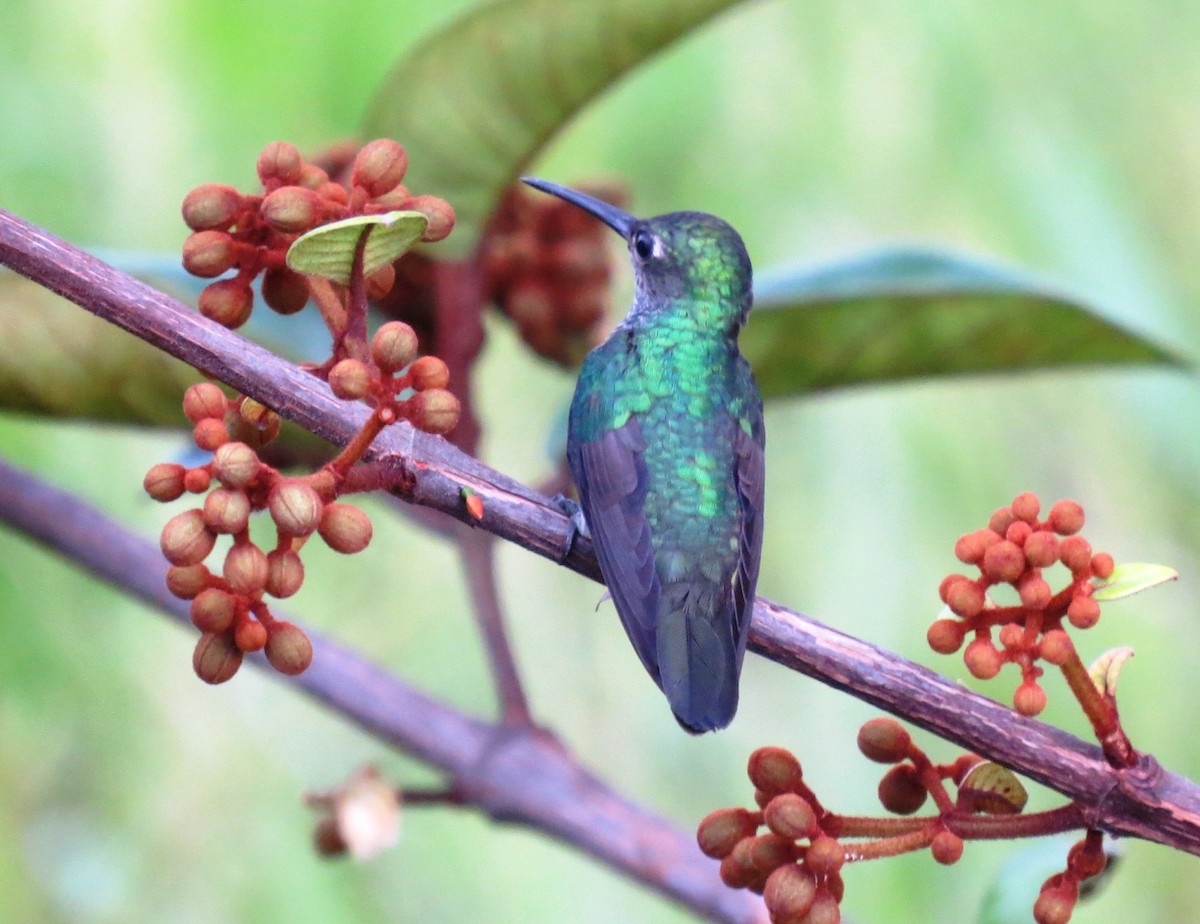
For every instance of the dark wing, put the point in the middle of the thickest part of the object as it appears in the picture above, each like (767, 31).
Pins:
(751, 479)
(611, 477)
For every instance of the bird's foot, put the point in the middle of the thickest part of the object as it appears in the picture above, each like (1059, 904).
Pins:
(578, 523)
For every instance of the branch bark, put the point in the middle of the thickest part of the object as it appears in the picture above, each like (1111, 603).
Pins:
(1144, 801)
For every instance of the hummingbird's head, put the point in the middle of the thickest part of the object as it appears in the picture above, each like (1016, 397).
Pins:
(678, 256)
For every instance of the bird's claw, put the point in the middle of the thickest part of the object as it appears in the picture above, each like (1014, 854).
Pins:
(578, 523)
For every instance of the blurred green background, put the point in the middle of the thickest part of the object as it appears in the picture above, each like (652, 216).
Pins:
(1061, 137)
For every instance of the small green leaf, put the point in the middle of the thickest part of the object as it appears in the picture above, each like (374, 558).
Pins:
(994, 790)
(907, 313)
(1106, 669)
(328, 250)
(476, 101)
(1130, 579)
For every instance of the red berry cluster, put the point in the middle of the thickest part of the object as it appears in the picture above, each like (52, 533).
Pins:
(801, 883)
(229, 608)
(547, 267)
(391, 370)
(1014, 549)
(251, 233)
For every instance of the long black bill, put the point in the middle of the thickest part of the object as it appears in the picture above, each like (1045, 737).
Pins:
(619, 221)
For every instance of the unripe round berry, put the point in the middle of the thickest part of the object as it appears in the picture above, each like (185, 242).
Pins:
(1001, 520)
(970, 548)
(211, 207)
(774, 770)
(186, 581)
(250, 635)
(1066, 517)
(395, 199)
(790, 816)
(789, 894)
(235, 465)
(439, 212)
(288, 648)
(394, 346)
(437, 411)
(380, 282)
(246, 568)
(227, 510)
(1003, 561)
(1041, 548)
(947, 582)
(255, 424)
(197, 480)
(947, 847)
(228, 302)
(1054, 906)
(379, 166)
(737, 871)
(945, 636)
(209, 253)
(216, 658)
(1034, 591)
(285, 291)
(1026, 507)
(213, 610)
(1018, 532)
(825, 855)
(292, 209)
(720, 831)
(1087, 859)
(982, 659)
(285, 573)
(164, 481)
(769, 851)
(279, 163)
(824, 909)
(965, 597)
(429, 372)
(1012, 635)
(1083, 612)
(210, 435)
(186, 539)
(1103, 565)
(1075, 553)
(1056, 647)
(884, 741)
(900, 790)
(295, 507)
(1029, 698)
(350, 379)
(312, 176)
(345, 528)
(204, 400)
(333, 192)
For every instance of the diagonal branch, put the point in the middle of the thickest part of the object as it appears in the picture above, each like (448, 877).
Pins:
(1145, 801)
(513, 773)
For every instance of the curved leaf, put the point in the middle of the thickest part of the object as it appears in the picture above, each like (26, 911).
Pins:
(909, 312)
(328, 250)
(1131, 578)
(476, 101)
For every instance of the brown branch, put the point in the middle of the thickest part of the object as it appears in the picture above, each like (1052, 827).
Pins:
(513, 773)
(1144, 801)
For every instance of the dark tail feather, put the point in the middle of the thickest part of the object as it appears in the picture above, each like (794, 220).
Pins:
(698, 658)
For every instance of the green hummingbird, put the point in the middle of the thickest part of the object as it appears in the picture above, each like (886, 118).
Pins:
(665, 442)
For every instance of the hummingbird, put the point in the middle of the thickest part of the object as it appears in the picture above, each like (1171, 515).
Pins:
(665, 443)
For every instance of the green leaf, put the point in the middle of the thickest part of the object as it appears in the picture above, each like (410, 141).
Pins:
(1130, 579)
(905, 313)
(328, 250)
(475, 102)
(60, 361)
(1105, 671)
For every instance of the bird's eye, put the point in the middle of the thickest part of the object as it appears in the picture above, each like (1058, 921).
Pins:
(643, 244)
